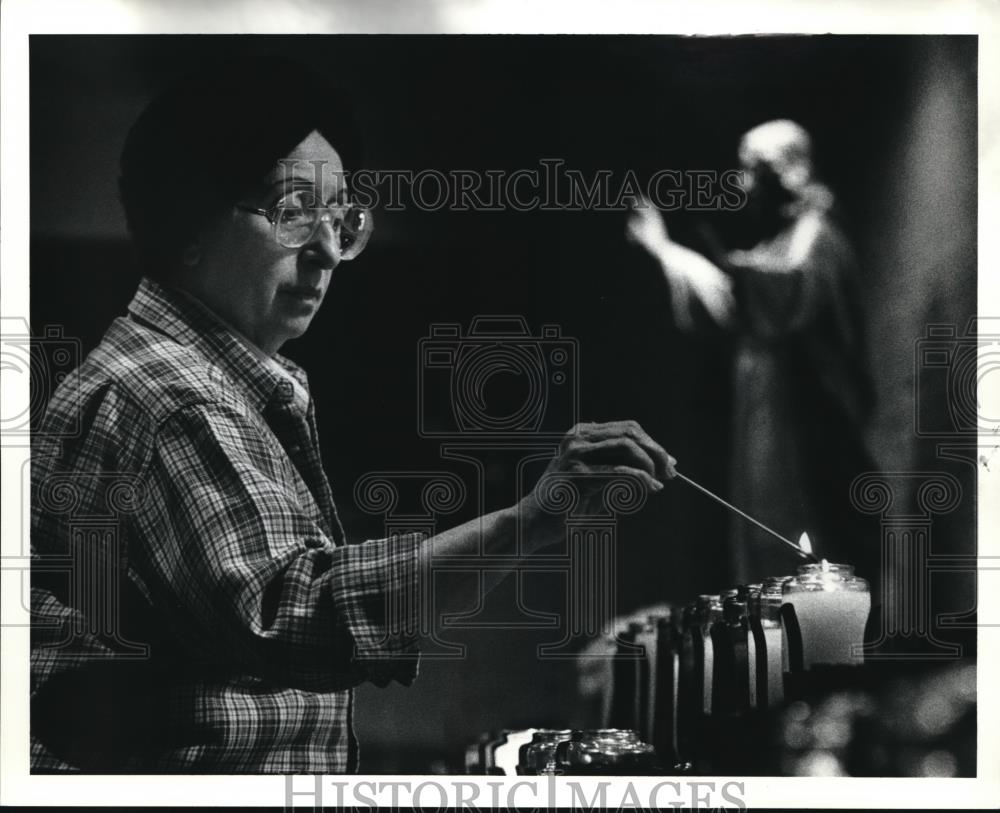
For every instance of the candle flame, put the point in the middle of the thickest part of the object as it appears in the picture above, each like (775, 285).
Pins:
(805, 544)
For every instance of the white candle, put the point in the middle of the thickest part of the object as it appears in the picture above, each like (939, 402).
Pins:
(831, 608)
(832, 624)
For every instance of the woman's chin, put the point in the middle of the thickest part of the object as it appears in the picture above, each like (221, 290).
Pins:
(295, 326)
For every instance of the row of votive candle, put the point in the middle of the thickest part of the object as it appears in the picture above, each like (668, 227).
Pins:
(535, 751)
(731, 654)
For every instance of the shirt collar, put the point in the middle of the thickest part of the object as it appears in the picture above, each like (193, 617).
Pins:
(190, 322)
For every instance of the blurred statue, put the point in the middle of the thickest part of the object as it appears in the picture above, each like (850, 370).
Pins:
(801, 390)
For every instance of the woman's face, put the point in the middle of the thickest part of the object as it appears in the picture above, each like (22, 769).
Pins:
(266, 291)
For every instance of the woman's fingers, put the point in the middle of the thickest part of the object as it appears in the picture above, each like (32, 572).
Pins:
(626, 443)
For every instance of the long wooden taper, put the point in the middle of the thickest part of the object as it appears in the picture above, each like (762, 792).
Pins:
(761, 525)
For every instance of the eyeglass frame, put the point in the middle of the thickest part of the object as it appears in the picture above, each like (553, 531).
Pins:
(272, 218)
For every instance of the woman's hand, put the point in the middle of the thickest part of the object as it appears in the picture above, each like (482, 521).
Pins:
(589, 456)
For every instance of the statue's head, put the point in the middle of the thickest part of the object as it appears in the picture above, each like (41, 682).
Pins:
(780, 151)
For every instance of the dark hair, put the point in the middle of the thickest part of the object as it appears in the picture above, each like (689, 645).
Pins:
(209, 139)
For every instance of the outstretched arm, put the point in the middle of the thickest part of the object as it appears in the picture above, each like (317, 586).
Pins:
(253, 582)
(588, 453)
(691, 276)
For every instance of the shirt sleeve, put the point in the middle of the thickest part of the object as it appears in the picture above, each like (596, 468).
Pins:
(248, 581)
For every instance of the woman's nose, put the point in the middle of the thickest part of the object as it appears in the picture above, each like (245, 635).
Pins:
(327, 237)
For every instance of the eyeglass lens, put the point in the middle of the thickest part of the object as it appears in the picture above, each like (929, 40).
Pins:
(300, 215)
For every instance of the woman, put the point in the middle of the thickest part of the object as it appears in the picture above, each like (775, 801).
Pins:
(215, 618)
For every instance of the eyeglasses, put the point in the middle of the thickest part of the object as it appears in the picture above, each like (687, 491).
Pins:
(297, 216)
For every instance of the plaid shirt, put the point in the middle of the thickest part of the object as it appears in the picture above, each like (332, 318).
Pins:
(195, 607)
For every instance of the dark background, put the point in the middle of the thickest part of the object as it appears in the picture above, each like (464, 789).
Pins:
(894, 124)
